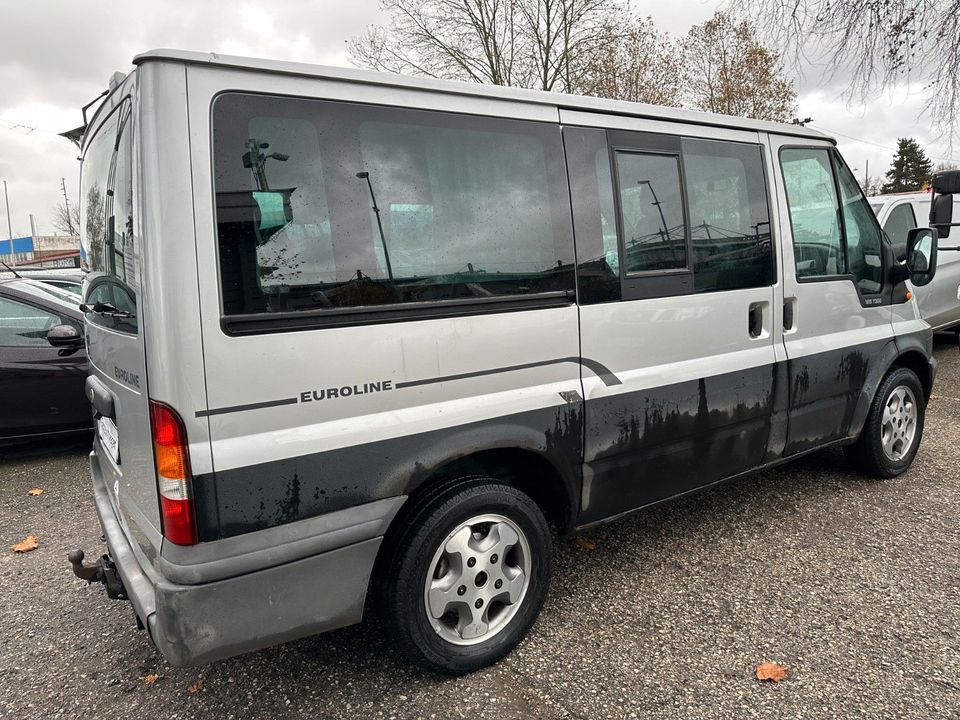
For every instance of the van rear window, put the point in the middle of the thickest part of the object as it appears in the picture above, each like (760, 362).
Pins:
(326, 205)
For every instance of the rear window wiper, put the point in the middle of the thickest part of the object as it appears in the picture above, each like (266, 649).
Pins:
(105, 309)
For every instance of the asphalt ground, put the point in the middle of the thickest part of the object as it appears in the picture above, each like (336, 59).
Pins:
(851, 583)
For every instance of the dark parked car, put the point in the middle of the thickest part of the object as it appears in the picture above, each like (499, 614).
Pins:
(43, 362)
(69, 280)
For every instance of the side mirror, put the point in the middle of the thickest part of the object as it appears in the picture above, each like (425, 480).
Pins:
(64, 336)
(941, 214)
(922, 255)
(945, 185)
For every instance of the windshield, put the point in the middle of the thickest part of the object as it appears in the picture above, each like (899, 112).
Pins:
(45, 292)
(876, 207)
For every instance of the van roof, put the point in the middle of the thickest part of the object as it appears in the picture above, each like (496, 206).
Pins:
(912, 195)
(538, 97)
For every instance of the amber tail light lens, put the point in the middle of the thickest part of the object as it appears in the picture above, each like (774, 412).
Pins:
(172, 461)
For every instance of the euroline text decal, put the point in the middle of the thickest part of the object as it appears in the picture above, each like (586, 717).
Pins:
(345, 391)
(378, 386)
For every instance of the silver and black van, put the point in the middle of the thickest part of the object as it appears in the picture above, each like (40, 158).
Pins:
(360, 340)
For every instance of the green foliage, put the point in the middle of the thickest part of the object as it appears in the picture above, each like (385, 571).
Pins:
(911, 168)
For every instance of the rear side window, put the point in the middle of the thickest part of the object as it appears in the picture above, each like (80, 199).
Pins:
(329, 206)
(899, 222)
(729, 215)
(108, 249)
(814, 212)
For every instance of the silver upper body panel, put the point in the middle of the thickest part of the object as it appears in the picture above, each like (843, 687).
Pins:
(448, 87)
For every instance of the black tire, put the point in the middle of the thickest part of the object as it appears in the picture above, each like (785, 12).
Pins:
(410, 550)
(867, 454)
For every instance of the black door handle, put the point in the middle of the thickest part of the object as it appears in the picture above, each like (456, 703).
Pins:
(755, 322)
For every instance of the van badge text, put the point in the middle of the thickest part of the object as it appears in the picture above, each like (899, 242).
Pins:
(346, 391)
(127, 377)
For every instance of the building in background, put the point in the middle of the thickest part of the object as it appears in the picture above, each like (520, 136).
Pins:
(41, 251)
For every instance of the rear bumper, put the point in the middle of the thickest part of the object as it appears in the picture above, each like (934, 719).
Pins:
(204, 621)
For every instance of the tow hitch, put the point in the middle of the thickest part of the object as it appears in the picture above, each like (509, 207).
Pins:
(103, 571)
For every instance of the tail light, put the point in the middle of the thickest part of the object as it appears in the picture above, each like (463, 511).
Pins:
(172, 460)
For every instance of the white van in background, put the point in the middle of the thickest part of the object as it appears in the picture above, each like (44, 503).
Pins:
(939, 302)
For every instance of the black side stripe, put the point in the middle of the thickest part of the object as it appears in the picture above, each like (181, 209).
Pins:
(601, 371)
(251, 406)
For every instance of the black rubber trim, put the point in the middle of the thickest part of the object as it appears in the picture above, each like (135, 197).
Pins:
(262, 323)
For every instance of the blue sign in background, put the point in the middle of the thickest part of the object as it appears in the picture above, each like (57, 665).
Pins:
(20, 245)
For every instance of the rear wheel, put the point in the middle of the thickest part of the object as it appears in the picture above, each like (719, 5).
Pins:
(466, 576)
(891, 434)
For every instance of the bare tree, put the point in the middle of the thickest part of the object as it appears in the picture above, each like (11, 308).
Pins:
(632, 60)
(526, 43)
(728, 71)
(874, 186)
(66, 221)
(878, 42)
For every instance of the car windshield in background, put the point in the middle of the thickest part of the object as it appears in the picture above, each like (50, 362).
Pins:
(45, 292)
(876, 207)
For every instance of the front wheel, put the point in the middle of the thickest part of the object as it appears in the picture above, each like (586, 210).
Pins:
(891, 434)
(467, 575)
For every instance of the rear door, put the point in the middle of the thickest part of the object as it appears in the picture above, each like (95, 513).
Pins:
(835, 314)
(115, 343)
(677, 283)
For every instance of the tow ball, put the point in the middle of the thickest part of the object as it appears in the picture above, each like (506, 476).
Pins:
(103, 571)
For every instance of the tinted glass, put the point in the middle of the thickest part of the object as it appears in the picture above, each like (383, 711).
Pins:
(594, 216)
(729, 215)
(814, 212)
(108, 248)
(864, 258)
(24, 325)
(651, 212)
(326, 205)
(899, 222)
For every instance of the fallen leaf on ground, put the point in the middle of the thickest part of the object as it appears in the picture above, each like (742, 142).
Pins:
(195, 687)
(149, 679)
(35, 491)
(30, 542)
(772, 671)
(586, 543)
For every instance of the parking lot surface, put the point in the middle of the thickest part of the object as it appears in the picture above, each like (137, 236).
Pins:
(851, 583)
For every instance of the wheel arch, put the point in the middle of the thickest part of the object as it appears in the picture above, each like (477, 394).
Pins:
(913, 351)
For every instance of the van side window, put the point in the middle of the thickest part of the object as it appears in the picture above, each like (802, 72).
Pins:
(729, 215)
(862, 232)
(814, 212)
(899, 222)
(594, 215)
(107, 228)
(651, 212)
(329, 205)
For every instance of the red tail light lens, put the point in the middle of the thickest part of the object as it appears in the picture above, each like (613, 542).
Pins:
(173, 475)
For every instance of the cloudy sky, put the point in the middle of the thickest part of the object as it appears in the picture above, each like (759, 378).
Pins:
(58, 54)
